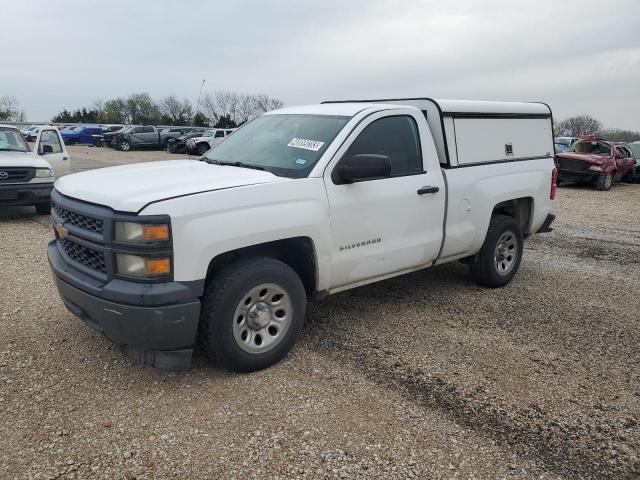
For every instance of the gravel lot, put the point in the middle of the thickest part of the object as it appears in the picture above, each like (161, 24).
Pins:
(422, 376)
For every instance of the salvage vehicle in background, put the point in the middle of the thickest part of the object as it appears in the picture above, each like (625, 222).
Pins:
(169, 133)
(633, 175)
(81, 134)
(201, 145)
(594, 161)
(298, 204)
(564, 144)
(137, 136)
(26, 177)
(178, 145)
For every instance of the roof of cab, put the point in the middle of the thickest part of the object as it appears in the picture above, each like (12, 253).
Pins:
(342, 109)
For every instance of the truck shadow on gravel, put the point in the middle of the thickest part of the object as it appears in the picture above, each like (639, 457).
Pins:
(572, 446)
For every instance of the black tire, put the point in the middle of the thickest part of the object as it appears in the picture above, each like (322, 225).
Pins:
(224, 292)
(486, 268)
(43, 208)
(604, 182)
(124, 145)
(201, 149)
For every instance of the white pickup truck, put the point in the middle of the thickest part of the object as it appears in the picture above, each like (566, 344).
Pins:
(26, 177)
(298, 204)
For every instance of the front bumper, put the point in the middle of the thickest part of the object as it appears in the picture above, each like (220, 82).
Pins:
(155, 324)
(25, 193)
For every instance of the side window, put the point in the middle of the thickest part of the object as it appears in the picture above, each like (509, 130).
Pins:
(147, 129)
(396, 137)
(620, 153)
(219, 133)
(137, 130)
(49, 137)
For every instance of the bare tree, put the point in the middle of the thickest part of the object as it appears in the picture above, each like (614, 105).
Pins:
(175, 111)
(578, 125)
(238, 107)
(10, 110)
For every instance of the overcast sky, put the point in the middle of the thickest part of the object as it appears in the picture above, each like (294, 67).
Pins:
(579, 56)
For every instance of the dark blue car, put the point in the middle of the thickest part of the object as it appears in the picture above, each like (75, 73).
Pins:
(80, 134)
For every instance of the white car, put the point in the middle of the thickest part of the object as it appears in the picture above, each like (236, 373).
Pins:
(26, 177)
(298, 204)
(201, 145)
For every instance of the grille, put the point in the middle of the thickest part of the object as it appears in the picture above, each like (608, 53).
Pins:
(81, 221)
(574, 165)
(83, 255)
(12, 174)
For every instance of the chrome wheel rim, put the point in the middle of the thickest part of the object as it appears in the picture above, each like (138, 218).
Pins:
(124, 146)
(506, 253)
(608, 180)
(262, 318)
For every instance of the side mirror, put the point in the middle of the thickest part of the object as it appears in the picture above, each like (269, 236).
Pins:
(366, 166)
(45, 149)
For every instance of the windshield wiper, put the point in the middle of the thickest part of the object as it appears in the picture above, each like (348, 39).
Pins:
(233, 164)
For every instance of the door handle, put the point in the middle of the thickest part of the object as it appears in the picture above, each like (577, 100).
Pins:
(65, 158)
(425, 190)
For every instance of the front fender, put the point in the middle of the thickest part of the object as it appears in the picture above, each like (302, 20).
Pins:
(209, 224)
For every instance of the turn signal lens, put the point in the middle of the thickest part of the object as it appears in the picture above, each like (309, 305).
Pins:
(554, 184)
(158, 266)
(156, 232)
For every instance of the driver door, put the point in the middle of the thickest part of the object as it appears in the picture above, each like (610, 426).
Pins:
(50, 147)
(381, 226)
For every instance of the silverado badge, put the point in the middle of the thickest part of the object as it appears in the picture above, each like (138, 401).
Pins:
(62, 232)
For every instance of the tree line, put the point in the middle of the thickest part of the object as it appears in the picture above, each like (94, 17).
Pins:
(220, 109)
(586, 124)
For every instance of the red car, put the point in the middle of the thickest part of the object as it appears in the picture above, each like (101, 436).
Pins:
(595, 161)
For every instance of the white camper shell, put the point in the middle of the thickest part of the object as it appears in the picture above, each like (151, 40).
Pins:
(469, 132)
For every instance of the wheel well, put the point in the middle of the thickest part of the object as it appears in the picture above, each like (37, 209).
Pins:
(518, 208)
(297, 252)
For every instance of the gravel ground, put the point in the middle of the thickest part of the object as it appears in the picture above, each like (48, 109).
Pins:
(422, 376)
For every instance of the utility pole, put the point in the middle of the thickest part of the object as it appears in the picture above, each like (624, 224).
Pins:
(199, 96)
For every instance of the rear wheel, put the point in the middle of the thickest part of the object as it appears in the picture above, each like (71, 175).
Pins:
(604, 182)
(498, 260)
(252, 313)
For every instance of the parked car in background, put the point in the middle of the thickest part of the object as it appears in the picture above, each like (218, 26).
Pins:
(178, 145)
(108, 138)
(564, 144)
(30, 133)
(169, 133)
(26, 177)
(137, 136)
(201, 145)
(81, 134)
(595, 161)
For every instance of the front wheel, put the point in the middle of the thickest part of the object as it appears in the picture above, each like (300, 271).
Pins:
(201, 149)
(604, 182)
(124, 145)
(252, 313)
(498, 260)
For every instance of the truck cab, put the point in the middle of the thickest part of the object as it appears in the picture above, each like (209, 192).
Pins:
(298, 204)
(27, 177)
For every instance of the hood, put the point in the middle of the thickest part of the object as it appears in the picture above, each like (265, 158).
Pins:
(585, 157)
(22, 159)
(130, 188)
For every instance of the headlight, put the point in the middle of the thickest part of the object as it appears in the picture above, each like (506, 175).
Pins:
(44, 173)
(138, 266)
(595, 168)
(130, 232)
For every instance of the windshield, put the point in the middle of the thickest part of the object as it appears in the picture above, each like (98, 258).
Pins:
(563, 141)
(11, 140)
(286, 145)
(593, 148)
(207, 133)
(635, 149)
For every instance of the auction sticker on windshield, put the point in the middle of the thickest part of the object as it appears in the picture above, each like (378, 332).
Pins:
(306, 144)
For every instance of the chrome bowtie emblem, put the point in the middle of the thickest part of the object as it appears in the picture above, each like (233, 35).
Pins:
(61, 230)
(4, 175)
